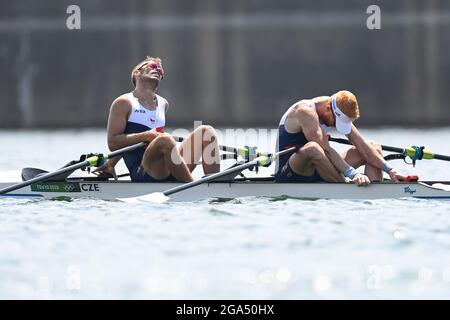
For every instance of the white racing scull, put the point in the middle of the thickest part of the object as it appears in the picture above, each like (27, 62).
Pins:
(239, 187)
(41, 186)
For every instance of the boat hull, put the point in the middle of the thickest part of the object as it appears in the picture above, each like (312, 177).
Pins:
(110, 190)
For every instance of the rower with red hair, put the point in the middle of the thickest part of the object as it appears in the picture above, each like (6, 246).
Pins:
(307, 124)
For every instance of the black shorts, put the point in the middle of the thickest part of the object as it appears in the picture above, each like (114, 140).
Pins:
(286, 174)
(139, 175)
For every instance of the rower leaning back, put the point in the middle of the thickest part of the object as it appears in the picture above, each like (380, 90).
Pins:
(140, 116)
(307, 123)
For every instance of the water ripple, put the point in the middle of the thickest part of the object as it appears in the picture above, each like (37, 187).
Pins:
(247, 248)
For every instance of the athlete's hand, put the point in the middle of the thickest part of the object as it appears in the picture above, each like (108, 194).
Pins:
(108, 167)
(361, 180)
(395, 176)
(149, 135)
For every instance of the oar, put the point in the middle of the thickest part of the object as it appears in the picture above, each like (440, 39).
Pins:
(161, 197)
(414, 152)
(245, 152)
(89, 162)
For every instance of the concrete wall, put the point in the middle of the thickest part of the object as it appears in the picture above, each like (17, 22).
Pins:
(228, 63)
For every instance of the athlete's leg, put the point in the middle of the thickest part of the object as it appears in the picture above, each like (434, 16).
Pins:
(311, 157)
(354, 158)
(162, 158)
(201, 143)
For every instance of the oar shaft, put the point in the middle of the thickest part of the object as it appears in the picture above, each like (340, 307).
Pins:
(222, 148)
(86, 163)
(127, 149)
(385, 148)
(406, 151)
(441, 157)
(208, 178)
(217, 175)
(44, 177)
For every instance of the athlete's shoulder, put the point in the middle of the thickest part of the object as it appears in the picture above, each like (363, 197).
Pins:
(122, 102)
(303, 108)
(123, 98)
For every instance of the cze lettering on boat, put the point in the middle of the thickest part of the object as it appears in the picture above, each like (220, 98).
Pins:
(91, 187)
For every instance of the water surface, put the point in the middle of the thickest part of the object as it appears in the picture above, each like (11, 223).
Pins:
(247, 248)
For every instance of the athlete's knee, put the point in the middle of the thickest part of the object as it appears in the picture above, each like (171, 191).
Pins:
(207, 128)
(313, 150)
(165, 140)
(208, 131)
(377, 147)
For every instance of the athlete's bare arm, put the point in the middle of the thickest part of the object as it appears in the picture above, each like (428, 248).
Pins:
(367, 151)
(369, 154)
(117, 122)
(292, 123)
(309, 122)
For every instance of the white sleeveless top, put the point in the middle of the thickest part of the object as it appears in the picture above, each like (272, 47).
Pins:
(142, 119)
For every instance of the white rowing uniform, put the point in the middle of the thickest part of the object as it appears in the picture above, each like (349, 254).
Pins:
(142, 119)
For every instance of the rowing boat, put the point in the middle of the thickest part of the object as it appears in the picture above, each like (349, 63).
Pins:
(79, 187)
(42, 184)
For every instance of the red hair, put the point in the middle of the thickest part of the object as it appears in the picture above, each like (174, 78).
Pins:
(348, 104)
